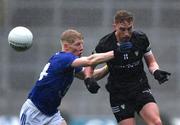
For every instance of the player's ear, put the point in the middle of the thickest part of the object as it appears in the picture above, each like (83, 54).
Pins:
(65, 46)
(114, 26)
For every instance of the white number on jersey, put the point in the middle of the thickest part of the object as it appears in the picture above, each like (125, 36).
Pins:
(44, 73)
(125, 56)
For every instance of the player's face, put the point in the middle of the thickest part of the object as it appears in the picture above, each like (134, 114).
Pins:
(77, 47)
(123, 30)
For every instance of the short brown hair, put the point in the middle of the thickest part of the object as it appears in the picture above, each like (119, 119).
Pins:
(123, 15)
(70, 35)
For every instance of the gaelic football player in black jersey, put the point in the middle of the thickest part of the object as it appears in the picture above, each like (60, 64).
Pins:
(128, 85)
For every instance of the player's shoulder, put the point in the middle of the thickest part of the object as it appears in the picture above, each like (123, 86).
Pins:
(64, 54)
(106, 43)
(107, 38)
(63, 57)
(139, 34)
(140, 39)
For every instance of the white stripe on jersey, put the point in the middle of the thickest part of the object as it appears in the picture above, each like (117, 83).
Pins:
(148, 53)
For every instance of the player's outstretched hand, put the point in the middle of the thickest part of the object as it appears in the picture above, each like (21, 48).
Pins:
(161, 76)
(91, 85)
(124, 47)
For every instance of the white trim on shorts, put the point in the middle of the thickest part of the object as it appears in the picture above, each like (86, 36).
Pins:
(30, 115)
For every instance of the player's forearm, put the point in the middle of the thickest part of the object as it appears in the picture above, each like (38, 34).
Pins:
(151, 62)
(88, 71)
(100, 73)
(153, 67)
(101, 57)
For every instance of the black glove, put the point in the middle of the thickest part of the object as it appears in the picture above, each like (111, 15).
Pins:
(91, 85)
(125, 47)
(161, 76)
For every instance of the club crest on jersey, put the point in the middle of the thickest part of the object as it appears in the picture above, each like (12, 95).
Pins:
(123, 106)
(136, 53)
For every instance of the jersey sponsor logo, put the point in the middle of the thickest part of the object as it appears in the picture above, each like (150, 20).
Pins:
(132, 65)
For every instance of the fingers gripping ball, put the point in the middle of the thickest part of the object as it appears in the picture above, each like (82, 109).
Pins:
(161, 76)
(91, 85)
(20, 38)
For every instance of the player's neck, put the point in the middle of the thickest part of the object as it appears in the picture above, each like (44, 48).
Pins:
(117, 38)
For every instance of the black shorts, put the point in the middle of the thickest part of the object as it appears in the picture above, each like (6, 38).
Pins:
(124, 105)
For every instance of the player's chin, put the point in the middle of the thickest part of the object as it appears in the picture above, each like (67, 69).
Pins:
(125, 39)
(80, 54)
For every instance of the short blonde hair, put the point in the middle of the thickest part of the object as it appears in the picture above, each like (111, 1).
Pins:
(123, 15)
(70, 35)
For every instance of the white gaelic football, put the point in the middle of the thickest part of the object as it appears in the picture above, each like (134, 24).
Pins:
(20, 38)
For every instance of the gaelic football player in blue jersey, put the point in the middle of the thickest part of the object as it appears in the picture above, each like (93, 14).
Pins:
(40, 108)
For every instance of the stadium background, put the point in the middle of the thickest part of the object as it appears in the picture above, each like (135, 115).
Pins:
(160, 19)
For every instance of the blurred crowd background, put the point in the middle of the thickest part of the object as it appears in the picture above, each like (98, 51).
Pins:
(47, 19)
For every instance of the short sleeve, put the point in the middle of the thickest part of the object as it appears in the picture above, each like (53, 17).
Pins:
(141, 40)
(78, 69)
(147, 45)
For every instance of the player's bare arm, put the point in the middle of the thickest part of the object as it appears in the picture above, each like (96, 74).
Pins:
(97, 74)
(93, 59)
(90, 82)
(80, 75)
(161, 76)
(100, 72)
(151, 62)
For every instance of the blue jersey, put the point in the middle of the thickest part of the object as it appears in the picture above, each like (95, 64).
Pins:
(53, 83)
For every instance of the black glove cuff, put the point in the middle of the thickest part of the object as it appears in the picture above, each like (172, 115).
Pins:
(91, 85)
(156, 73)
(87, 80)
